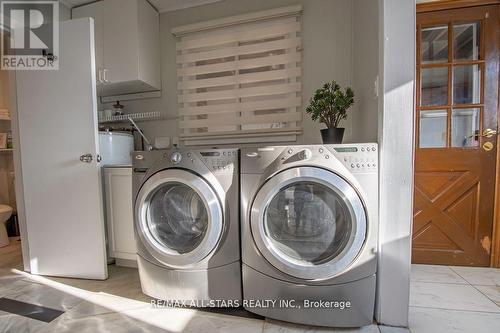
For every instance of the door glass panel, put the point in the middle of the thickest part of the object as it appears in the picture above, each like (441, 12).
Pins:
(434, 44)
(466, 41)
(434, 86)
(432, 129)
(177, 217)
(465, 127)
(308, 222)
(466, 84)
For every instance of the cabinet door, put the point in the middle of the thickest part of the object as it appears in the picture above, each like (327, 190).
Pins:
(94, 10)
(120, 41)
(119, 212)
(149, 45)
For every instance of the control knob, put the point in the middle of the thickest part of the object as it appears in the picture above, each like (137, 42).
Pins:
(176, 157)
(305, 154)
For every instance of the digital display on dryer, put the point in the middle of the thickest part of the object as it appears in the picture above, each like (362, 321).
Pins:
(210, 153)
(346, 150)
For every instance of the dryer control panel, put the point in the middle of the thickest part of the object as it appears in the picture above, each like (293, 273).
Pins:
(357, 157)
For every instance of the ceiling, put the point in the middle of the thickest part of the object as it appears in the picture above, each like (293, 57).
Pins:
(161, 5)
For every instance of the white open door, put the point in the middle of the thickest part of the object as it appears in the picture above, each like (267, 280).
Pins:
(57, 111)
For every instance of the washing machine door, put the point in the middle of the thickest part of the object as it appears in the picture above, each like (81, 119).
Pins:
(308, 222)
(178, 217)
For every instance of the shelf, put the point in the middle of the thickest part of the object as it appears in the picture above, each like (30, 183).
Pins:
(5, 118)
(6, 150)
(142, 116)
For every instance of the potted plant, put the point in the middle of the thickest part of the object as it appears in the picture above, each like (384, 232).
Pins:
(329, 105)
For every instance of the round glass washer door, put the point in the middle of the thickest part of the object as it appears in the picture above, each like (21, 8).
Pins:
(308, 223)
(178, 217)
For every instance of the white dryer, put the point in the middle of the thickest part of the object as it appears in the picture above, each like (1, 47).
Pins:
(187, 225)
(309, 228)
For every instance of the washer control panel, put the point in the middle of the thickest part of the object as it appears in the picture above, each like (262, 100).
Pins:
(220, 160)
(357, 157)
(217, 160)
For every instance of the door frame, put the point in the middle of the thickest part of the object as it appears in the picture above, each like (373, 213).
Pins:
(457, 4)
(452, 4)
(495, 246)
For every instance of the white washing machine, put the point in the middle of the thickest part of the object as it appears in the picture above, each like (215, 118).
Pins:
(309, 228)
(187, 225)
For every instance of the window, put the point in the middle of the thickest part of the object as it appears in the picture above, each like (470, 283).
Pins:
(450, 67)
(240, 82)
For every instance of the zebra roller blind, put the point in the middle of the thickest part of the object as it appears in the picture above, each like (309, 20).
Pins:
(241, 82)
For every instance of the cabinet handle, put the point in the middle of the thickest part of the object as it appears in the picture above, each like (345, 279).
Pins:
(99, 75)
(104, 71)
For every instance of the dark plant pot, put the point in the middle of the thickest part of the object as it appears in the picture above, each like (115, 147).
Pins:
(332, 135)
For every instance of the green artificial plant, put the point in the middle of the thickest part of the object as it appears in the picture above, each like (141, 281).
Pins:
(329, 104)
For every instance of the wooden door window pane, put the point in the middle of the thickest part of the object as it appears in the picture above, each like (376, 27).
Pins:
(466, 84)
(434, 89)
(434, 44)
(432, 129)
(465, 127)
(466, 40)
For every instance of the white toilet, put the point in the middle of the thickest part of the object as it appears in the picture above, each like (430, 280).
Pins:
(5, 213)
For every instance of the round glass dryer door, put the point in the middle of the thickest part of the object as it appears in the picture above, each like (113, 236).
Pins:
(308, 222)
(179, 217)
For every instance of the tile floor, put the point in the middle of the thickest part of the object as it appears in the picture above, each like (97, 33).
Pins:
(454, 299)
(443, 299)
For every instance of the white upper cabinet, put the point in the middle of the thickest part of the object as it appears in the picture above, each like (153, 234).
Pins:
(127, 43)
(94, 10)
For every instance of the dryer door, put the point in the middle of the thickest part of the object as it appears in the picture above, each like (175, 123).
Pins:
(178, 217)
(308, 222)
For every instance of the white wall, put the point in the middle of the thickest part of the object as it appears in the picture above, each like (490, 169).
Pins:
(327, 43)
(396, 132)
(365, 51)
(384, 45)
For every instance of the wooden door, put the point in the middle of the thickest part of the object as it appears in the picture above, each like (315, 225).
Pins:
(456, 119)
